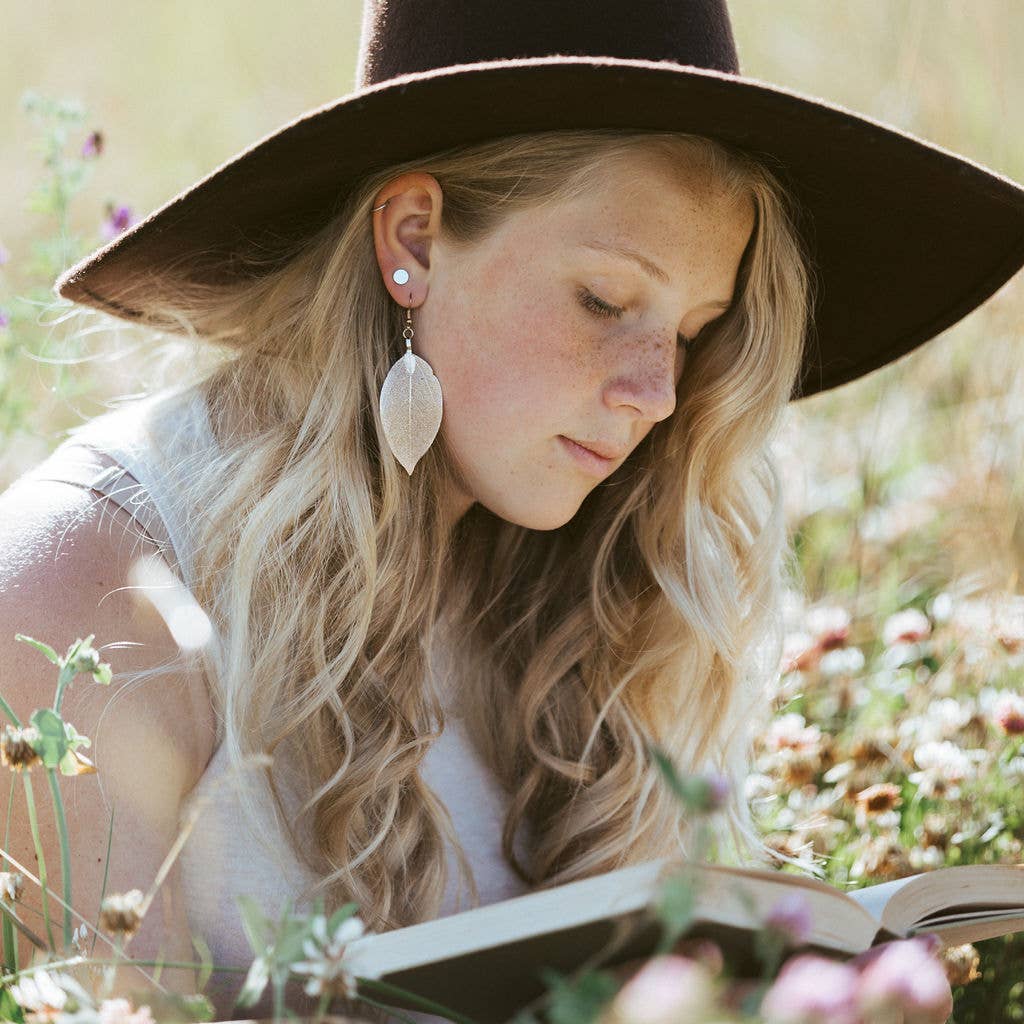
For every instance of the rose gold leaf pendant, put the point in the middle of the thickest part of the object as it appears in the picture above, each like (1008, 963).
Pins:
(410, 409)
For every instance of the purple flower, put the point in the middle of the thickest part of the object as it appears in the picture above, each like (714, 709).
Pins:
(93, 146)
(906, 978)
(790, 918)
(812, 989)
(5, 320)
(719, 788)
(4, 255)
(118, 219)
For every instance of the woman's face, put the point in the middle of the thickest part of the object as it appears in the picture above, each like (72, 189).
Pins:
(526, 354)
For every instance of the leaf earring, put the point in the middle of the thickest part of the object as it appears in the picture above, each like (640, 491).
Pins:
(410, 400)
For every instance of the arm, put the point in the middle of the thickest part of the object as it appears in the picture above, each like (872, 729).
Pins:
(64, 555)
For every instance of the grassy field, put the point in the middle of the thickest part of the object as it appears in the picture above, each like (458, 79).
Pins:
(904, 488)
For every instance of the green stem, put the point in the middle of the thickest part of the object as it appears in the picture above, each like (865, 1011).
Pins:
(9, 712)
(65, 851)
(52, 965)
(10, 945)
(321, 1006)
(38, 843)
(278, 1000)
(67, 673)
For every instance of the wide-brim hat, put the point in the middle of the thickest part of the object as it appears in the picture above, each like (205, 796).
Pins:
(905, 237)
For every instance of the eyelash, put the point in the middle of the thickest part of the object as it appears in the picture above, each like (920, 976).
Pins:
(601, 308)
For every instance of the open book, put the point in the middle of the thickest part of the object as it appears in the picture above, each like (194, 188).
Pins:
(484, 962)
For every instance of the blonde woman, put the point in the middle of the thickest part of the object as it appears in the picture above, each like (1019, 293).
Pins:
(455, 619)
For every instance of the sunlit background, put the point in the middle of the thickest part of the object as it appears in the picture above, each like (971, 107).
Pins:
(904, 488)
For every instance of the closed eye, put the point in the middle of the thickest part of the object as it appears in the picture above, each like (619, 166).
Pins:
(605, 309)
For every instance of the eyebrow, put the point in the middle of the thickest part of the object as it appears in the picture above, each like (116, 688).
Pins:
(649, 268)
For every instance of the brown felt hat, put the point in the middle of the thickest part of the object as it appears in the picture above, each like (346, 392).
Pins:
(906, 238)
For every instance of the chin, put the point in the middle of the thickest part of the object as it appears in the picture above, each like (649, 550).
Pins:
(534, 518)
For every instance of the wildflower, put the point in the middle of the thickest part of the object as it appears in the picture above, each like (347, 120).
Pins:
(933, 830)
(797, 767)
(799, 653)
(121, 913)
(944, 766)
(12, 885)
(843, 661)
(119, 1011)
(868, 751)
(790, 919)
(118, 219)
(926, 859)
(667, 990)
(881, 857)
(906, 979)
(17, 749)
(41, 996)
(906, 627)
(791, 731)
(812, 989)
(961, 964)
(876, 799)
(829, 625)
(4, 254)
(5, 320)
(1008, 713)
(328, 969)
(93, 145)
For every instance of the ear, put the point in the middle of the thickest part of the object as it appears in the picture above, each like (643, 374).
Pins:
(403, 232)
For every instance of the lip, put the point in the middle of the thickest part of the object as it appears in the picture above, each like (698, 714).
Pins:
(589, 460)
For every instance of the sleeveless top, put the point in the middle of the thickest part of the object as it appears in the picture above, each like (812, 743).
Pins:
(131, 455)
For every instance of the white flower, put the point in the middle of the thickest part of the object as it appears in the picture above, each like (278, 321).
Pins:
(829, 622)
(926, 859)
(329, 969)
(119, 1011)
(843, 661)
(907, 627)
(791, 731)
(40, 995)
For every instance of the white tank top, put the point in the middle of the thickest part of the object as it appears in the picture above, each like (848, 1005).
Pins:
(119, 454)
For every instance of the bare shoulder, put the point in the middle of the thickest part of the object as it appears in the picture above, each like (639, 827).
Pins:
(65, 559)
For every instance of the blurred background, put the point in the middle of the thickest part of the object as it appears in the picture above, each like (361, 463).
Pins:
(903, 489)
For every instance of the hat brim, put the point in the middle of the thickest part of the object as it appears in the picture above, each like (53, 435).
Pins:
(905, 237)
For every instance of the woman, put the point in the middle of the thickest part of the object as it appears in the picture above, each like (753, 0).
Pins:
(454, 629)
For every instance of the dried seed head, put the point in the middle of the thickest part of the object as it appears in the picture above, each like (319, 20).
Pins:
(12, 885)
(961, 963)
(16, 749)
(121, 913)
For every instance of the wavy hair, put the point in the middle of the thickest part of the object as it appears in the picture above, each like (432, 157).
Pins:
(652, 617)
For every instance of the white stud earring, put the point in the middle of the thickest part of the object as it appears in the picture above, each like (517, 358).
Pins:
(410, 399)
(400, 276)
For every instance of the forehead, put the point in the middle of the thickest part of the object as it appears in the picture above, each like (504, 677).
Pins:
(675, 217)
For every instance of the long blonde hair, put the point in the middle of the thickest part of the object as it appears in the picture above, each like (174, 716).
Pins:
(653, 616)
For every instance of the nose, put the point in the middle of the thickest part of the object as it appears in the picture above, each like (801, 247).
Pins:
(647, 379)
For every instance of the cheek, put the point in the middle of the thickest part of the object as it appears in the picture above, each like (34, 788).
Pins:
(517, 370)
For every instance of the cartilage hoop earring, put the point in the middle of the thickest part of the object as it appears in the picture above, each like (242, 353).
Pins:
(410, 400)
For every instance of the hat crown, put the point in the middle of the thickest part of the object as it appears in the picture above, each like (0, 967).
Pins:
(401, 37)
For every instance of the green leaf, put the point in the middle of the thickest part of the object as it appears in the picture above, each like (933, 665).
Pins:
(257, 928)
(40, 646)
(9, 1008)
(52, 744)
(343, 913)
(580, 1001)
(675, 906)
